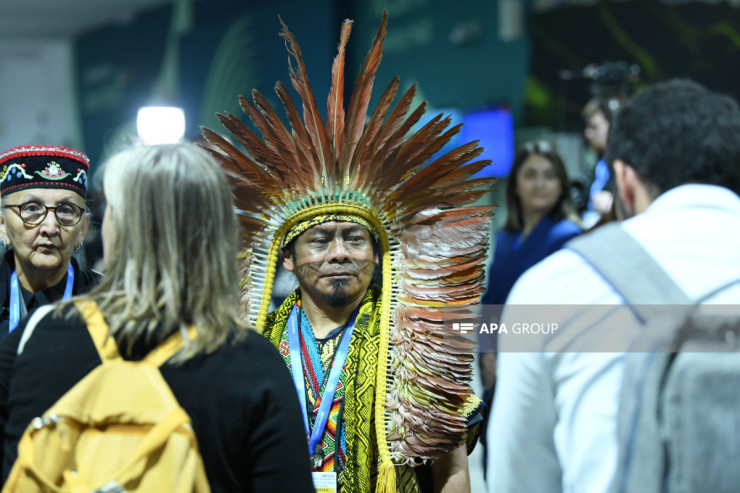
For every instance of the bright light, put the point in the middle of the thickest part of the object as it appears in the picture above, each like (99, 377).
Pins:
(160, 124)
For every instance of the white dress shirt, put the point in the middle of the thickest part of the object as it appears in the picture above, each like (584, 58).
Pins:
(554, 420)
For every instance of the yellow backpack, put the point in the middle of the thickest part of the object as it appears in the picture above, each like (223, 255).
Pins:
(119, 429)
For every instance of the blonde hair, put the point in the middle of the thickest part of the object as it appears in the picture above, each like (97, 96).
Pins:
(173, 261)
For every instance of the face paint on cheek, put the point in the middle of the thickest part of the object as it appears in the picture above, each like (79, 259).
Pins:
(367, 266)
(305, 270)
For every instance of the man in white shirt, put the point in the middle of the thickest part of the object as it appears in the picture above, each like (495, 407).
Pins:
(675, 152)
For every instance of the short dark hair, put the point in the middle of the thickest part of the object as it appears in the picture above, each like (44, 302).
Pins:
(678, 132)
(564, 208)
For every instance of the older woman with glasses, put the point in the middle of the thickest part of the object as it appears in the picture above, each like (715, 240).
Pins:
(42, 220)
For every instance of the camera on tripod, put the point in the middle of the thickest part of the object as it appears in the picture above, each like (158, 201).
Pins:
(606, 77)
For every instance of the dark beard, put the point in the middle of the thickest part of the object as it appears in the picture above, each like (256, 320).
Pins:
(338, 296)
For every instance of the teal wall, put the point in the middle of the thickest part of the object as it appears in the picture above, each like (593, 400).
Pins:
(481, 71)
(233, 46)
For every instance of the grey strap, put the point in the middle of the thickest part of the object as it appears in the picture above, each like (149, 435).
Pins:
(625, 264)
(33, 321)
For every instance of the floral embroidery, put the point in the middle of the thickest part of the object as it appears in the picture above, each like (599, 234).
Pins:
(53, 171)
(81, 177)
(14, 169)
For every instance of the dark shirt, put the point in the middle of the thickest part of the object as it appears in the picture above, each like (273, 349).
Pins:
(85, 280)
(513, 257)
(240, 399)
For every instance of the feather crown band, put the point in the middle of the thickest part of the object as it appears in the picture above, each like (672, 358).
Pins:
(304, 226)
(433, 242)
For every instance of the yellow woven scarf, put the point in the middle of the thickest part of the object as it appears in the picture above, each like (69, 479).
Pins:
(361, 471)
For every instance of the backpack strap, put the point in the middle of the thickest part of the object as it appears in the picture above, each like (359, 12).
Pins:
(33, 321)
(617, 256)
(99, 331)
(107, 347)
(169, 347)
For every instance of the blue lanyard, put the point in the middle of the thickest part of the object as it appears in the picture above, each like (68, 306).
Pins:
(330, 388)
(15, 296)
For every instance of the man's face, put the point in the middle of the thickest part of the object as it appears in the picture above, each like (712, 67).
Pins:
(333, 262)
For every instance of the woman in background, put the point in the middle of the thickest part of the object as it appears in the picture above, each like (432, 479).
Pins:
(541, 218)
(170, 240)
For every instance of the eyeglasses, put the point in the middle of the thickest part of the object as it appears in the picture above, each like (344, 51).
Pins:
(34, 213)
(539, 147)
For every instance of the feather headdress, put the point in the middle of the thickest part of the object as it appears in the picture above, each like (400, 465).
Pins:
(433, 243)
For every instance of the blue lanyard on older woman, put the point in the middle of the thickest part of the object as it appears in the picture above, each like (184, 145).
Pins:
(15, 297)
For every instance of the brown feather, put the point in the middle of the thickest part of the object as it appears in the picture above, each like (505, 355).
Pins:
(425, 143)
(250, 140)
(461, 175)
(440, 167)
(242, 164)
(450, 195)
(311, 116)
(393, 170)
(293, 155)
(299, 132)
(269, 136)
(361, 168)
(335, 101)
(393, 123)
(443, 217)
(392, 173)
(360, 99)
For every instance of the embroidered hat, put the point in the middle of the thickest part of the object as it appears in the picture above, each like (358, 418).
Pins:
(43, 167)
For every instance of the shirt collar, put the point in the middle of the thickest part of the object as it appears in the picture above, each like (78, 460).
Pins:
(696, 194)
(45, 296)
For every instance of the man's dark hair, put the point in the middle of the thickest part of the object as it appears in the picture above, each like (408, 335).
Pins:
(678, 132)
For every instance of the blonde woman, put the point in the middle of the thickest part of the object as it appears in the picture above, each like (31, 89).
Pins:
(170, 243)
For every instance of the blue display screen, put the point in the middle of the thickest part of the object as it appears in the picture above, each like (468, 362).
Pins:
(494, 128)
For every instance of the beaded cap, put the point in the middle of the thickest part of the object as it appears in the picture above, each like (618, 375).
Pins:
(25, 167)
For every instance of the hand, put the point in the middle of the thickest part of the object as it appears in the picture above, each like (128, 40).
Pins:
(450, 472)
(603, 202)
(488, 370)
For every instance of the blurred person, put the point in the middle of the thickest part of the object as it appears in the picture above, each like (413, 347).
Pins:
(541, 218)
(170, 240)
(42, 221)
(674, 149)
(597, 115)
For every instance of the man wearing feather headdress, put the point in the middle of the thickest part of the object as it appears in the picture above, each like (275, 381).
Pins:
(382, 376)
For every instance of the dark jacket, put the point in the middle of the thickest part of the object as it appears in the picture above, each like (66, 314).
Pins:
(240, 398)
(85, 280)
